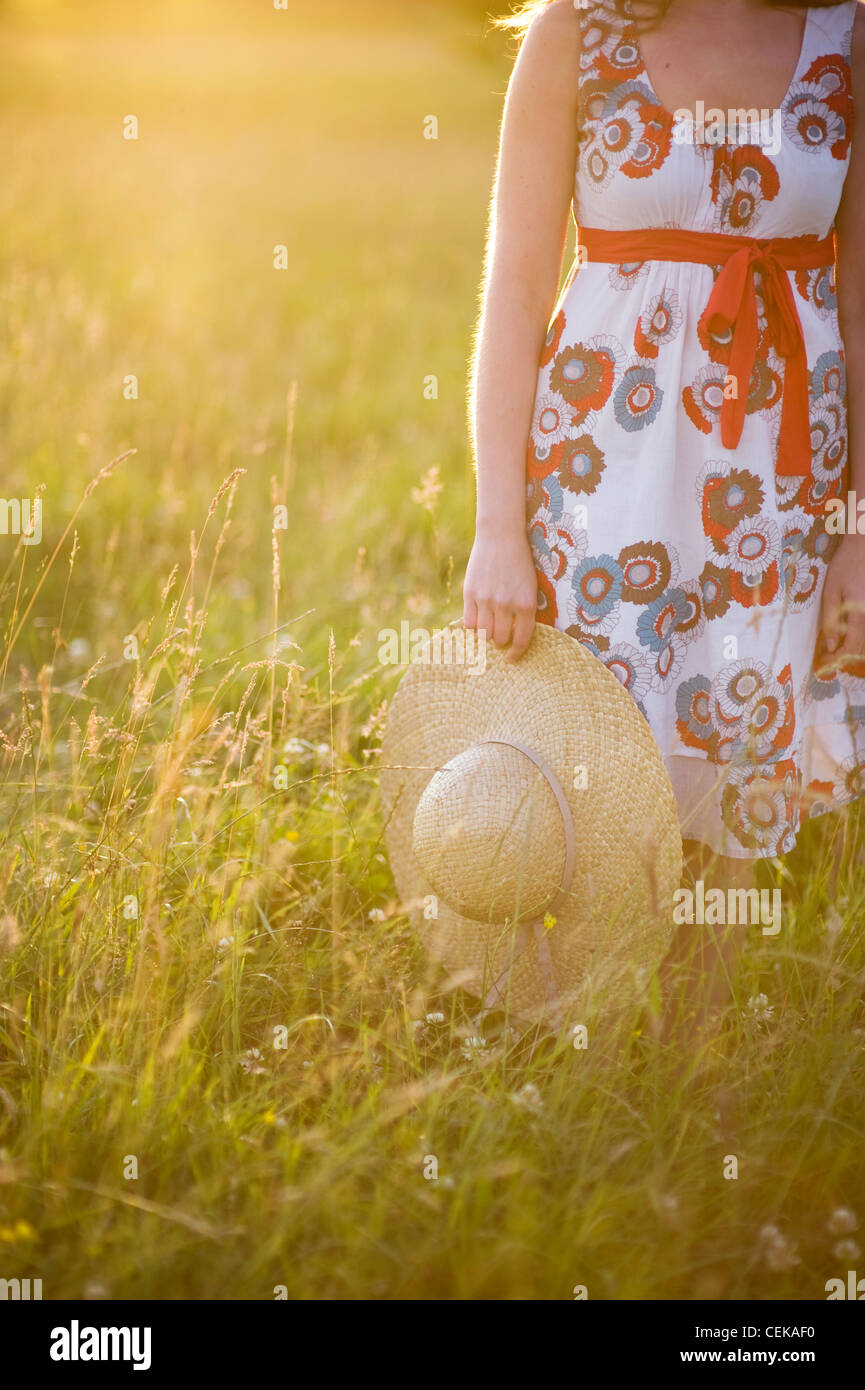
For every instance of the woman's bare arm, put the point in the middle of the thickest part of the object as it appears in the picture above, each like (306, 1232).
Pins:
(528, 230)
(843, 619)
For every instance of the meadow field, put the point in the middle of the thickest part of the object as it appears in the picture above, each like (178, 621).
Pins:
(225, 1062)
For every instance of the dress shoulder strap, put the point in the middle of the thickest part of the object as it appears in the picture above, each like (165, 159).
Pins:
(818, 111)
(830, 30)
(605, 25)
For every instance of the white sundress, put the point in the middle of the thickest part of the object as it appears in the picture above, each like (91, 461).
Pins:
(695, 571)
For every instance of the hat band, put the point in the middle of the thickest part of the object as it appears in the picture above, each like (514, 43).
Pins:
(567, 819)
(526, 932)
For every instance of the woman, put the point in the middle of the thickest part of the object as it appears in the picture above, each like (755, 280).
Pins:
(686, 457)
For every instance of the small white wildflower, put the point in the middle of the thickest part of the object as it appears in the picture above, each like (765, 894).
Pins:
(296, 748)
(758, 1009)
(842, 1222)
(224, 942)
(251, 1061)
(528, 1097)
(847, 1250)
(473, 1048)
(778, 1252)
(377, 914)
(670, 1211)
(833, 922)
(782, 1257)
(435, 1018)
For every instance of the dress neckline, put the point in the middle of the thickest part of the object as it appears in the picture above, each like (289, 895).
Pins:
(635, 38)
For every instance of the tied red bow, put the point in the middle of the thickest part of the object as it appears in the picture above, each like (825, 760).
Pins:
(731, 313)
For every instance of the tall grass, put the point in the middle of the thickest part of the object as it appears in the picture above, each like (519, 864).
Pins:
(226, 1066)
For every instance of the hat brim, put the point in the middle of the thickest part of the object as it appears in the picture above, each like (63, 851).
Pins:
(614, 924)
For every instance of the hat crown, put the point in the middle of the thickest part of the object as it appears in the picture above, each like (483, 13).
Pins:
(489, 837)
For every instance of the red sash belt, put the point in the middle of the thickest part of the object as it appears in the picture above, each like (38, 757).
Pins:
(731, 313)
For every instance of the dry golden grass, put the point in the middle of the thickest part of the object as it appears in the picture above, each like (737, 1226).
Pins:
(203, 965)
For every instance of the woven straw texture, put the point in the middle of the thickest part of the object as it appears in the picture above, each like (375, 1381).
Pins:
(482, 843)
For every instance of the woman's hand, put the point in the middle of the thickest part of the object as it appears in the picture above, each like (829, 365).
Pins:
(843, 613)
(500, 592)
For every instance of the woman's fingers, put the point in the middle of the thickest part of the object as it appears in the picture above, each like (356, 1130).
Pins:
(504, 622)
(496, 620)
(830, 621)
(486, 618)
(524, 626)
(842, 626)
(500, 592)
(853, 630)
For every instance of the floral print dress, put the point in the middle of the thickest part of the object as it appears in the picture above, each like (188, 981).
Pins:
(693, 571)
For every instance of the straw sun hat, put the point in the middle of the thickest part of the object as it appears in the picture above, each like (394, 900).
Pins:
(531, 825)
